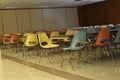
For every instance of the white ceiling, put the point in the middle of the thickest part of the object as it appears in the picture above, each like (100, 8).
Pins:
(43, 3)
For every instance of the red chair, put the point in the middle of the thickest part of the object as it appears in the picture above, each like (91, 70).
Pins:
(1, 38)
(101, 43)
(14, 39)
(1, 41)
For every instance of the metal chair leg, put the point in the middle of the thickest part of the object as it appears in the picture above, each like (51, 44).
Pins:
(72, 65)
(49, 58)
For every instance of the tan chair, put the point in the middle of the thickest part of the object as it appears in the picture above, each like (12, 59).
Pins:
(53, 34)
(69, 33)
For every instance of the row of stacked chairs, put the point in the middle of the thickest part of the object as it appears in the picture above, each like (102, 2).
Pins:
(81, 41)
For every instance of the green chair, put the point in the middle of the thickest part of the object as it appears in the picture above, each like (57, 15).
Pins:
(78, 43)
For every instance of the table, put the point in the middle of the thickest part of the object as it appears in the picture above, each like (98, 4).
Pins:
(59, 37)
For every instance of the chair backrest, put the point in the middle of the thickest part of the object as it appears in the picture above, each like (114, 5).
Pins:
(43, 39)
(55, 33)
(31, 40)
(103, 37)
(117, 39)
(70, 32)
(79, 37)
(117, 26)
(24, 36)
(6, 38)
(93, 30)
(14, 39)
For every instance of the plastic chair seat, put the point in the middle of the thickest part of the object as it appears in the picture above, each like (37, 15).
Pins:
(76, 48)
(67, 40)
(97, 45)
(50, 46)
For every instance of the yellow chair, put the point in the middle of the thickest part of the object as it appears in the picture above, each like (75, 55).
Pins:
(23, 38)
(20, 37)
(53, 34)
(30, 41)
(69, 33)
(46, 43)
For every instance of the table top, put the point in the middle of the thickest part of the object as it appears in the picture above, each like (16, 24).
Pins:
(59, 37)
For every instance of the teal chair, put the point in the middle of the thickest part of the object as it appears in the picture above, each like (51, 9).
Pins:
(79, 37)
(93, 30)
(78, 43)
(116, 43)
(117, 39)
(90, 33)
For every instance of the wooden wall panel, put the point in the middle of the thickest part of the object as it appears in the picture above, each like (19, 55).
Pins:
(72, 17)
(60, 18)
(1, 27)
(49, 20)
(36, 17)
(79, 9)
(9, 21)
(94, 14)
(23, 19)
(106, 12)
(113, 11)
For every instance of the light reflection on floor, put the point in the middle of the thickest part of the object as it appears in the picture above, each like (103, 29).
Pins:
(10, 70)
(103, 70)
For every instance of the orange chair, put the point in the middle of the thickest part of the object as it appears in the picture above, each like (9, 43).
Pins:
(101, 43)
(103, 37)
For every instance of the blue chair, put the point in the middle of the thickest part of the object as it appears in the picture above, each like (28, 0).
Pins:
(78, 39)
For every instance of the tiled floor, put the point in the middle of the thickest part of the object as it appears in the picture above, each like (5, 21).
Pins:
(108, 69)
(10, 70)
